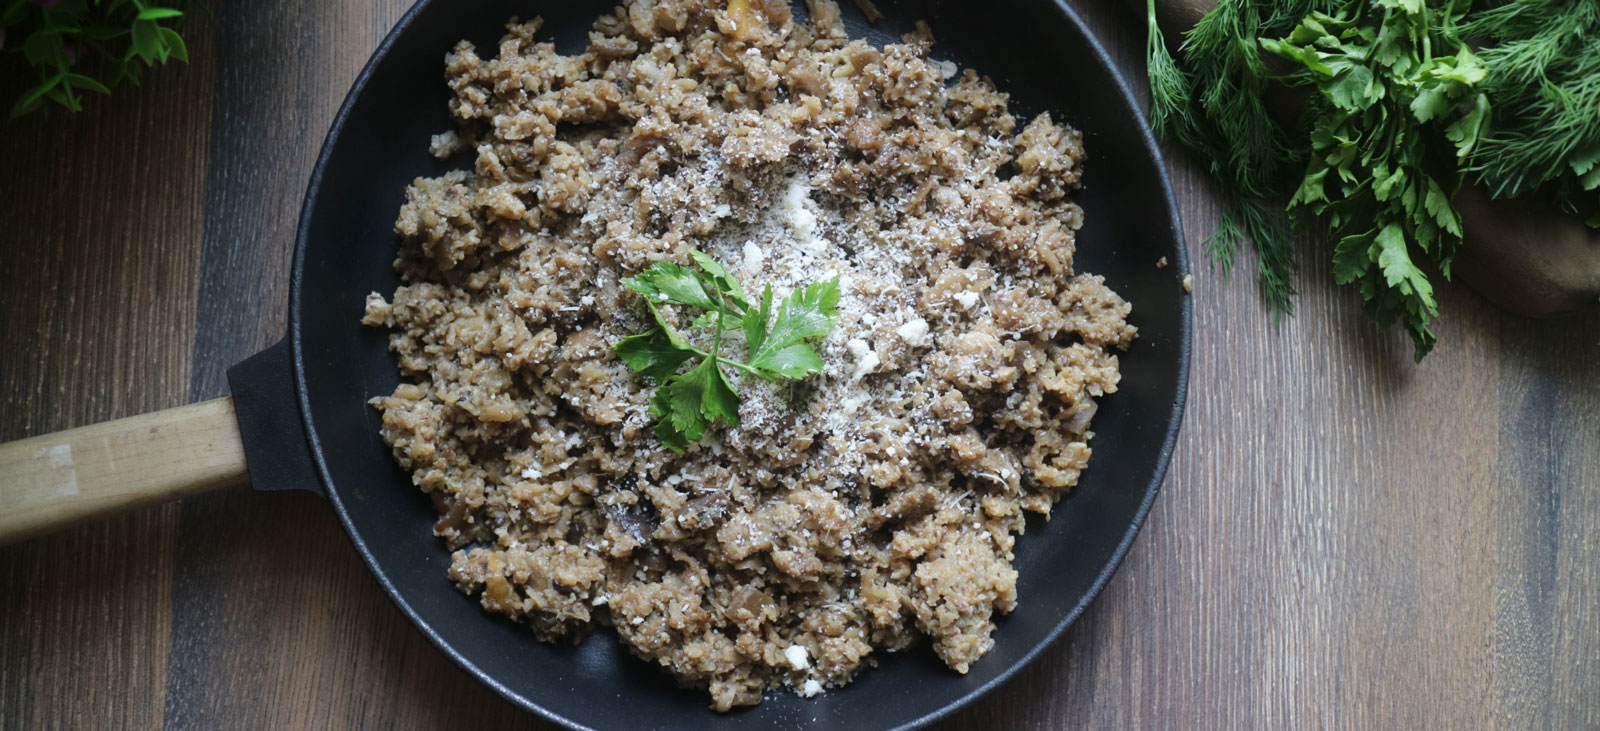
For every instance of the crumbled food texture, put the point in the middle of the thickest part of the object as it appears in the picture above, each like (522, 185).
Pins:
(1188, 282)
(858, 511)
(870, 9)
(1161, 263)
(445, 144)
(377, 311)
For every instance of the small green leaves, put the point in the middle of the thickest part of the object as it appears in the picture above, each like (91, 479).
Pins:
(1398, 270)
(79, 81)
(1351, 259)
(1470, 128)
(721, 280)
(656, 354)
(120, 37)
(807, 313)
(158, 14)
(146, 42)
(668, 283)
(1354, 89)
(174, 45)
(35, 96)
(686, 404)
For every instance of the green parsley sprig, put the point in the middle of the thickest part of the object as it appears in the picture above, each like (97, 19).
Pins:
(56, 37)
(1384, 81)
(686, 404)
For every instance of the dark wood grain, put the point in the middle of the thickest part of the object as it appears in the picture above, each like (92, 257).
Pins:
(99, 260)
(1344, 539)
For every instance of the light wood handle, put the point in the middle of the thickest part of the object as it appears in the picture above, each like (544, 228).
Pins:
(52, 481)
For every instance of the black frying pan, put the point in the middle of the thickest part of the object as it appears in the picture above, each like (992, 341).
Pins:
(303, 416)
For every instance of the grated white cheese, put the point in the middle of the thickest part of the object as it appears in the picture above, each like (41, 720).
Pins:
(812, 688)
(753, 256)
(801, 219)
(914, 332)
(442, 145)
(966, 299)
(866, 358)
(798, 658)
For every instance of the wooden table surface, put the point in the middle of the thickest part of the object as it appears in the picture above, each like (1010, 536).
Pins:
(1344, 539)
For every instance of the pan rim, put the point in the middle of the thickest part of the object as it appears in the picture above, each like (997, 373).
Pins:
(1163, 457)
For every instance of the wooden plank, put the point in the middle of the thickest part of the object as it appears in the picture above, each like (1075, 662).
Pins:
(101, 240)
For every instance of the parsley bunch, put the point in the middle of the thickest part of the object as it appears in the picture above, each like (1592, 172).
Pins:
(685, 404)
(54, 36)
(1384, 87)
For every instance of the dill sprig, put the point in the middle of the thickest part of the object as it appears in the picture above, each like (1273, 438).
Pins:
(1212, 101)
(1544, 75)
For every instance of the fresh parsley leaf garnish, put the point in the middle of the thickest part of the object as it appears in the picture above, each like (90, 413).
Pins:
(805, 313)
(686, 404)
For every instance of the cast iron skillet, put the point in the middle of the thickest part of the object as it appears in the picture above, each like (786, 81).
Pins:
(305, 423)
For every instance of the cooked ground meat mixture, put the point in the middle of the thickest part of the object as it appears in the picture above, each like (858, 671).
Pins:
(845, 514)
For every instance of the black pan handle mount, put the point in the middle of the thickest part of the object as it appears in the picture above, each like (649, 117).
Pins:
(275, 444)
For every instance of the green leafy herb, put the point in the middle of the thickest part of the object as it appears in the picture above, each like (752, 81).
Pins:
(62, 40)
(1383, 82)
(1543, 58)
(1401, 113)
(686, 404)
(1216, 107)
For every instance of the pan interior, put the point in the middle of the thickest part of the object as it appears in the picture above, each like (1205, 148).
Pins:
(1037, 51)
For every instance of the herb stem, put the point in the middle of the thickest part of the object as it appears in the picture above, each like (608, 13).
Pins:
(716, 332)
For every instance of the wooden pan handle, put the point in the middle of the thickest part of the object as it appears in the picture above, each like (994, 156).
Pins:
(52, 481)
